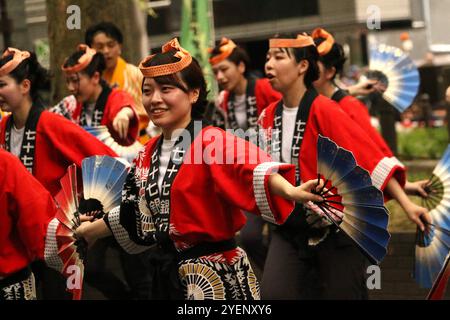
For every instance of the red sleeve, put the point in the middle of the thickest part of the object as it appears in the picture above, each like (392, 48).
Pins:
(242, 178)
(328, 119)
(223, 100)
(360, 114)
(117, 100)
(31, 205)
(2, 131)
(265, 94)
(74, 144)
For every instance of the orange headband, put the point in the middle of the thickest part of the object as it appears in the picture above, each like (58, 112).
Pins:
(18, 57)
(302, 40)
(328, 42)
(83, 61)
(170, 68)
(226, 48)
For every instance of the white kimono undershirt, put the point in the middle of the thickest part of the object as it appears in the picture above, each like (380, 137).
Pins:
(288, 122)
(240, 111)
(16, 140)
(164, 158)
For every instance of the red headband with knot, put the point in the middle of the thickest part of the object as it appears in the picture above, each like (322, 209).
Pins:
(18, 57)
(328, 42)
(170, 68)
(226, 48)
(83, 61)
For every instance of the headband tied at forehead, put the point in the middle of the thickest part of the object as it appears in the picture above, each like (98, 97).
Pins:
(18, 57)
(169, 68)
(302, 40)
(327, 43)
(226, 48)
(83, 61)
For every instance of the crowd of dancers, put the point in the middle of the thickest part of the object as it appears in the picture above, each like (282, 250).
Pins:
(241, 223)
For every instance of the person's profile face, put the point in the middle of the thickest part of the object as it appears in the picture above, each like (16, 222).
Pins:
(10, 94)
(228, 75)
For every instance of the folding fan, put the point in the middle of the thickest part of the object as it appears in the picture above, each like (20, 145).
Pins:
(440, 285)
(103, 178)
(433, 245)
(395, 69)
(127, 152)
(350, 193)
(71, 251)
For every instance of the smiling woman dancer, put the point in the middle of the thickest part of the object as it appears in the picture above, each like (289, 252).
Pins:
(190, 208)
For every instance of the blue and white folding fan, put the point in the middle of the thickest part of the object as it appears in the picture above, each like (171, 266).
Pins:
(351, 192)
(103, 180)
(126, 152)
(396, 70)
(433, 245)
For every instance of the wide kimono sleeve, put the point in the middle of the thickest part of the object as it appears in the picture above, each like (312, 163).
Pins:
(360, 114)
(32, 208)
(73, 143)
(118, 100)
(125, 220)
(331, 121)
(241, 179)
(66, 108)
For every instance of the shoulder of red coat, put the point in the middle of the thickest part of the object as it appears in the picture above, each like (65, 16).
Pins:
(209, 134)
(349, 98)
(117, 93)
(56, 120)
(353, 100)
(8, 158)
(149, 145)
(325, 104)
(270, 110)
(264, 84)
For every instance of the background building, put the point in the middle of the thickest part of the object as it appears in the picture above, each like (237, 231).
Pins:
(252, 22)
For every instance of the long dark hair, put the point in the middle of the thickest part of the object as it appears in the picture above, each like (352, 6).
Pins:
(192, 76)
